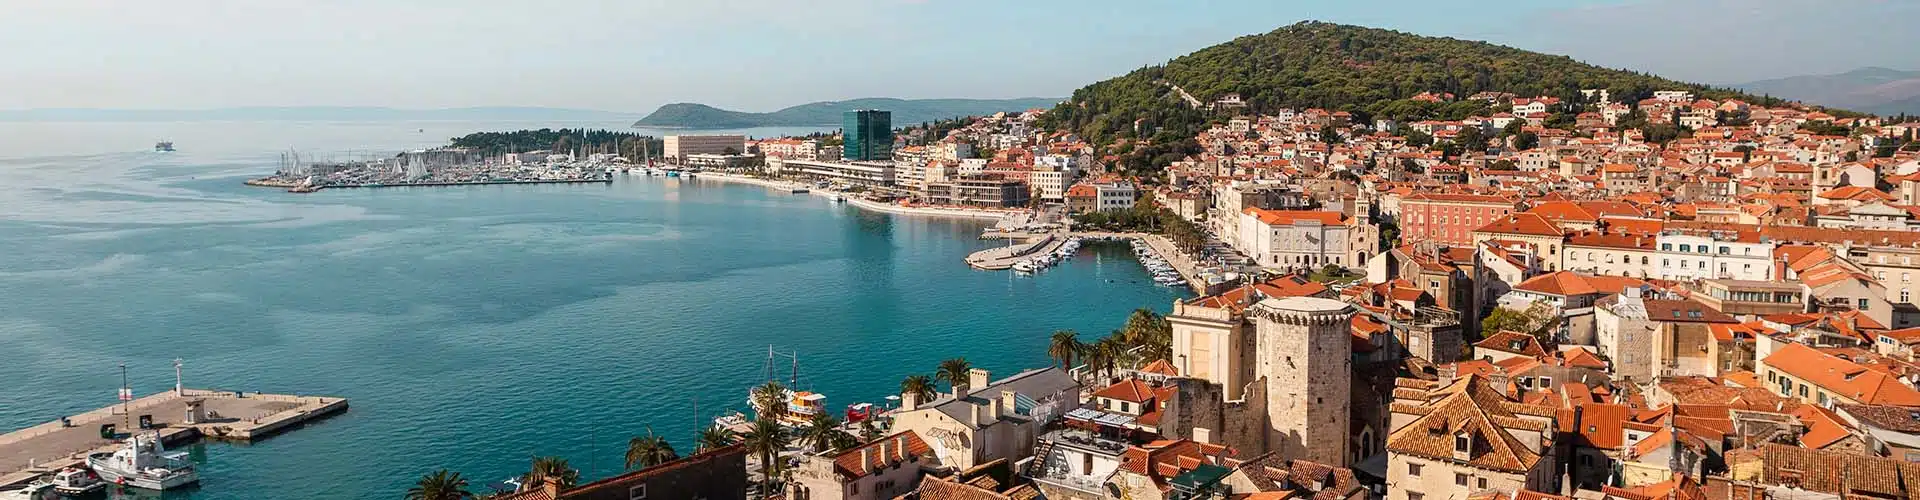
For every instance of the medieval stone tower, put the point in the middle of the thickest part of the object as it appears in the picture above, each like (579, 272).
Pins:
(1304, 349)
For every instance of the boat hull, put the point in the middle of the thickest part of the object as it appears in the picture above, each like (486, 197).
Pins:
(111, 475)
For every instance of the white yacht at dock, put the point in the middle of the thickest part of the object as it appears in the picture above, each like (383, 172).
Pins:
(143, 463)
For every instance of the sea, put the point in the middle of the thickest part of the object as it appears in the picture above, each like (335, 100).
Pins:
(474, 328)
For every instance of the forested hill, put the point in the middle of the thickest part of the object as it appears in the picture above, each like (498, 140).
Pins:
(905, 112)
(1366, 71)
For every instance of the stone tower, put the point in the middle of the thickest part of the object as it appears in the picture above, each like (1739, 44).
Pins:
(1304, 349)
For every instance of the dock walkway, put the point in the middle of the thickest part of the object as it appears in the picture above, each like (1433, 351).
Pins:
(31, 452)
(1003, 258)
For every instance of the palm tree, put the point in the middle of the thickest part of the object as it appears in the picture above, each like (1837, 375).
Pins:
(440, 485)
(649, 450)
(767, 439)
(1065, 344)
(1102, 354)
(819, 433)
(918, 385)
(770, 399)
(550, 467)
(714, 437)
(953, 371)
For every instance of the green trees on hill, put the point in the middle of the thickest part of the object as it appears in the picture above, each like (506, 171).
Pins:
(564, 140)
(1372, 73)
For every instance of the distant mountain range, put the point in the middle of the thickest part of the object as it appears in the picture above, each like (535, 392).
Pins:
(310, 113)
(905, 111)
(1873, 90)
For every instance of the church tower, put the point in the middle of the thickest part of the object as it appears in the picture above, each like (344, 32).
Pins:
(1304, 350)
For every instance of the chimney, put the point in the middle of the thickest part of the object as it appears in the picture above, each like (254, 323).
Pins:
(886, 455)
(973, 414)
(1632, 292)
(959, 392)
(909, 401)
(1006, 403)
(993, 410)
(866, 459)
(900, 443)
(1202, 435)
(978, 377)
(551, 486)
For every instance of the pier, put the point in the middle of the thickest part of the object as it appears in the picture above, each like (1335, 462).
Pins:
(229, 416)
(1003, 258)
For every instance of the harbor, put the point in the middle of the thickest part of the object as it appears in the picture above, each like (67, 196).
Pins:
(175, 417)
(442, 167)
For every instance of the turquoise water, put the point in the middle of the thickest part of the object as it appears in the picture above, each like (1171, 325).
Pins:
(476, 327)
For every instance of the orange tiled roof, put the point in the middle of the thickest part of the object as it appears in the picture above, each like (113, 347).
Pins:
(1841, 377)
(1522, 223)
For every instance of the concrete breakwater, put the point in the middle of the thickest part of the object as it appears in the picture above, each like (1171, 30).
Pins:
(35, 451)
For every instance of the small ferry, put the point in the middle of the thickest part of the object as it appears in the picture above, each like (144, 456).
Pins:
(163, 147)
(143, 463)
(75, 481)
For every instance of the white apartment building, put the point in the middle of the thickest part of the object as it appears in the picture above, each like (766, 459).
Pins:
(1114, 196)
(1052, 175)
(1713, 255)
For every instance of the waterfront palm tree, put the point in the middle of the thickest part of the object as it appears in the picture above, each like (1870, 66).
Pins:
(770, 399)
(819, 432)
(1065, 344)
(440, 485)
(767, 439)
(550, 467)
(953, 371)
(1102, 354)
(715, 437)
(649, 450)
(918, 385)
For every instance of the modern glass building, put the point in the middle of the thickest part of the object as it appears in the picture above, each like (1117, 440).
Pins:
(869, 135)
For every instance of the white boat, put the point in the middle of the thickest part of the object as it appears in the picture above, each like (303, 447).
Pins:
(143, 463)
(75, 481)
(1023, 267)
(36, 490)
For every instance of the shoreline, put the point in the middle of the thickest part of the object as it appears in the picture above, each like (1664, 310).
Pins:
(960, 213)
(297, 188)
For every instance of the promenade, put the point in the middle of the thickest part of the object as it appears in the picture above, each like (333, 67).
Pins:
(857, 201)
(1003, 258)
(34, 451)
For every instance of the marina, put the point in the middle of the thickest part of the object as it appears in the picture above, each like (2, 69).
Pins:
(442, 167)
(91, 440)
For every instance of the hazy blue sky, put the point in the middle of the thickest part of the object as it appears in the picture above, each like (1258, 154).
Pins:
(764, 54)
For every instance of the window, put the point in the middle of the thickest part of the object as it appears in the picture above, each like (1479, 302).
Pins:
(1643, 260)
(1863, 304)
(1459, 479)
(1702, 249)
(1416, 496)
(1725, 250)
(1462, 443)
(1905, 298)
(1481, 482)
(637, 492)
(1666, 247)
(1686, 248)
(1413, 470)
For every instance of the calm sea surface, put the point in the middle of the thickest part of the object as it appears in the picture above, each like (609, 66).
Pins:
(474, 327)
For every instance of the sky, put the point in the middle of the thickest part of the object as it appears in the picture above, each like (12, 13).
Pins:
(761, 55)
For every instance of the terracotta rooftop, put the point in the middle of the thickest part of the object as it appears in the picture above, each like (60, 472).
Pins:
(1841, 377)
